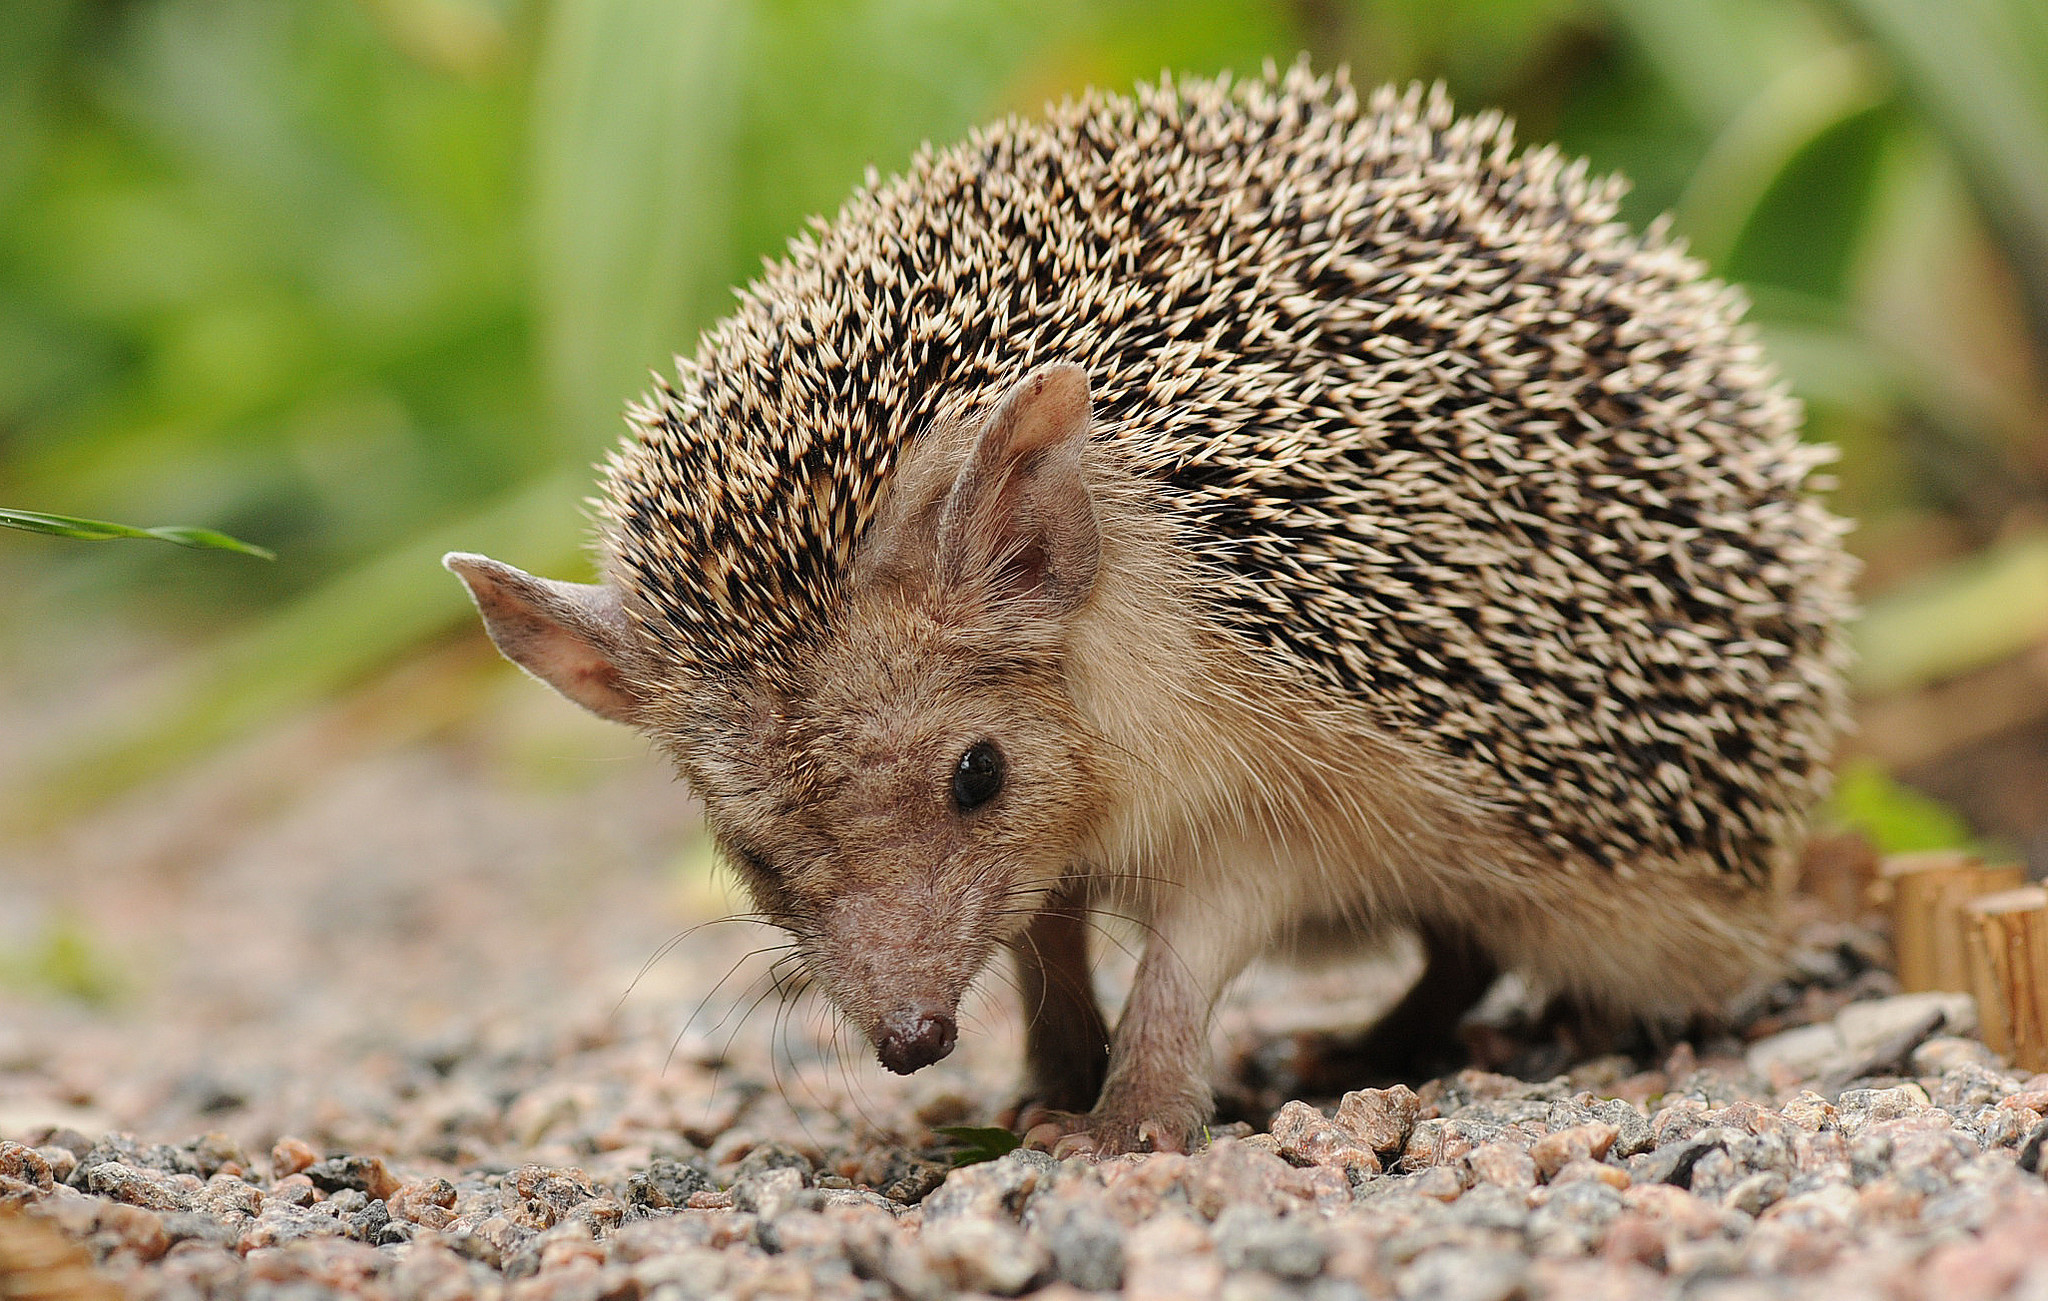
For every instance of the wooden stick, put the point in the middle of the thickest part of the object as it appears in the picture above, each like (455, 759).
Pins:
(1928, 892)
(1915, 883)
(2008, 943)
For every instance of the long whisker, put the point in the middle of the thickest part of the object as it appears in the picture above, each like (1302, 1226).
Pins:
(696, 1011)
(668, 947)
(777, 1038)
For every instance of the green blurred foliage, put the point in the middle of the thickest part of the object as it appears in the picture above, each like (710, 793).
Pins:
(63, 961)
(362, 279)
(1893, 818)
(974, 1144)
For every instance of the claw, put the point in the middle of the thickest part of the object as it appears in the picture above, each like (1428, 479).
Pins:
(1076, 1145)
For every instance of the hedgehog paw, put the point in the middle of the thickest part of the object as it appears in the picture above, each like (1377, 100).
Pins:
(1096, 1134)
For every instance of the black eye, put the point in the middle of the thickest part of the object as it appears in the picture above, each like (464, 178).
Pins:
(978, 777)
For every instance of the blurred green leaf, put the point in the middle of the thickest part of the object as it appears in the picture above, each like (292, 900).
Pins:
(1752, 153)
(63, 961)
(977, 1143)
(1974, 612)
(1806, 228)
(635, 113)
(92, 530)
(1978, 70)
(1717, 55)
(1894, 818)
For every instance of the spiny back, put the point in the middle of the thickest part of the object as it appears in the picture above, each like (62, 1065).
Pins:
(1453, 440)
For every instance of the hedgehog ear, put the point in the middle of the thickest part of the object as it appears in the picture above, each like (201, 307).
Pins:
(572, 636)
(1019, 516)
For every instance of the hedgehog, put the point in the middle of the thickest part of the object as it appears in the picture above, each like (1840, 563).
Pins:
(1276, 519)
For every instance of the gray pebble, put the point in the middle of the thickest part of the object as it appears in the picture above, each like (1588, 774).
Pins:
(1250, 1238)
(1087, 1247)
(1632, 1127)
(1462, 1274)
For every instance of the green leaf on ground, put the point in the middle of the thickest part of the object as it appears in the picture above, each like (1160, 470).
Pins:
(96, 530)
(978, 1143)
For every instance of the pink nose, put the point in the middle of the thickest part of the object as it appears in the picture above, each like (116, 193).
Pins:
(911, 1039)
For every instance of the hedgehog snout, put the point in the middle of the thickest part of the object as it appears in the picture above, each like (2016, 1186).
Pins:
(913, 1037)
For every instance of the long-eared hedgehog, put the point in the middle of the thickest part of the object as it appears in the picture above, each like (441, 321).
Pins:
(1263, 516)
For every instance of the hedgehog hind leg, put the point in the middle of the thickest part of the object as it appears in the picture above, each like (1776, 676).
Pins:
(1418, 1037)
(1066, 1039)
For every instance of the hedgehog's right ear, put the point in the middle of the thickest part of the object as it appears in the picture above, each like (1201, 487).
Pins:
(1019, 517)
(572, 636)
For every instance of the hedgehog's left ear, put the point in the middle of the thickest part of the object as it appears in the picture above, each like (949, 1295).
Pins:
(1019, 516)
(572, 636)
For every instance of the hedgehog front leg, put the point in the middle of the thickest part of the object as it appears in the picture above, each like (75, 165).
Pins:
(1066, 1040)
(1157, 1096)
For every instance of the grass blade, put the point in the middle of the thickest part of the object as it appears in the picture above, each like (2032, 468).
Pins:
(95, 530)
(1967, 64)
(1976, 612)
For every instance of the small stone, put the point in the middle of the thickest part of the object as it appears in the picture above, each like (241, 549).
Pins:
(347, 1201)
(1489, 1206)
(216, 1152)
(1572, 1216)
(429, 1202)
(228, 1198)
(1503, 1165)
(1249, 1238)
(1439, 1183)
(25, 1174)
(1678, 1121)
(772, 1192)
(1441, 1141)
(1588, 1142)
(1801, 1053)
(1380, 1119)
(1868, 1026)
(1308, 1137)
(290, 1156)
(915, 1182)
(771, 1155)
(1583, 1171)
(369, 1223)
(666, 1183)
(2035, 1101)
(151, 1189)
(978, 1255)
(1631, 1126)
(135, 1229)
(1756, 1193)
(1087, 1247)
(1944, 1053)
(1858, 1108)
(61, 1160)
(990, 1188)
(1810, 1112)
(2031, 1150)
(294, 1190)
(364, 1174)
(1462, 1274)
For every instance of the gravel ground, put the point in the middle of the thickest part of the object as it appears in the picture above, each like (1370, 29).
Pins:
(372, 1035)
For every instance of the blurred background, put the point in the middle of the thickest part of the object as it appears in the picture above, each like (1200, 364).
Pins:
(365, 280)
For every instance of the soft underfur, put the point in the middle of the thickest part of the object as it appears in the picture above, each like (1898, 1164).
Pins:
(1331, 521)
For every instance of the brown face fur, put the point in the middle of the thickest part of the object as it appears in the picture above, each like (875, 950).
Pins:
(834, 789)
(836, 800)
(831, 781)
